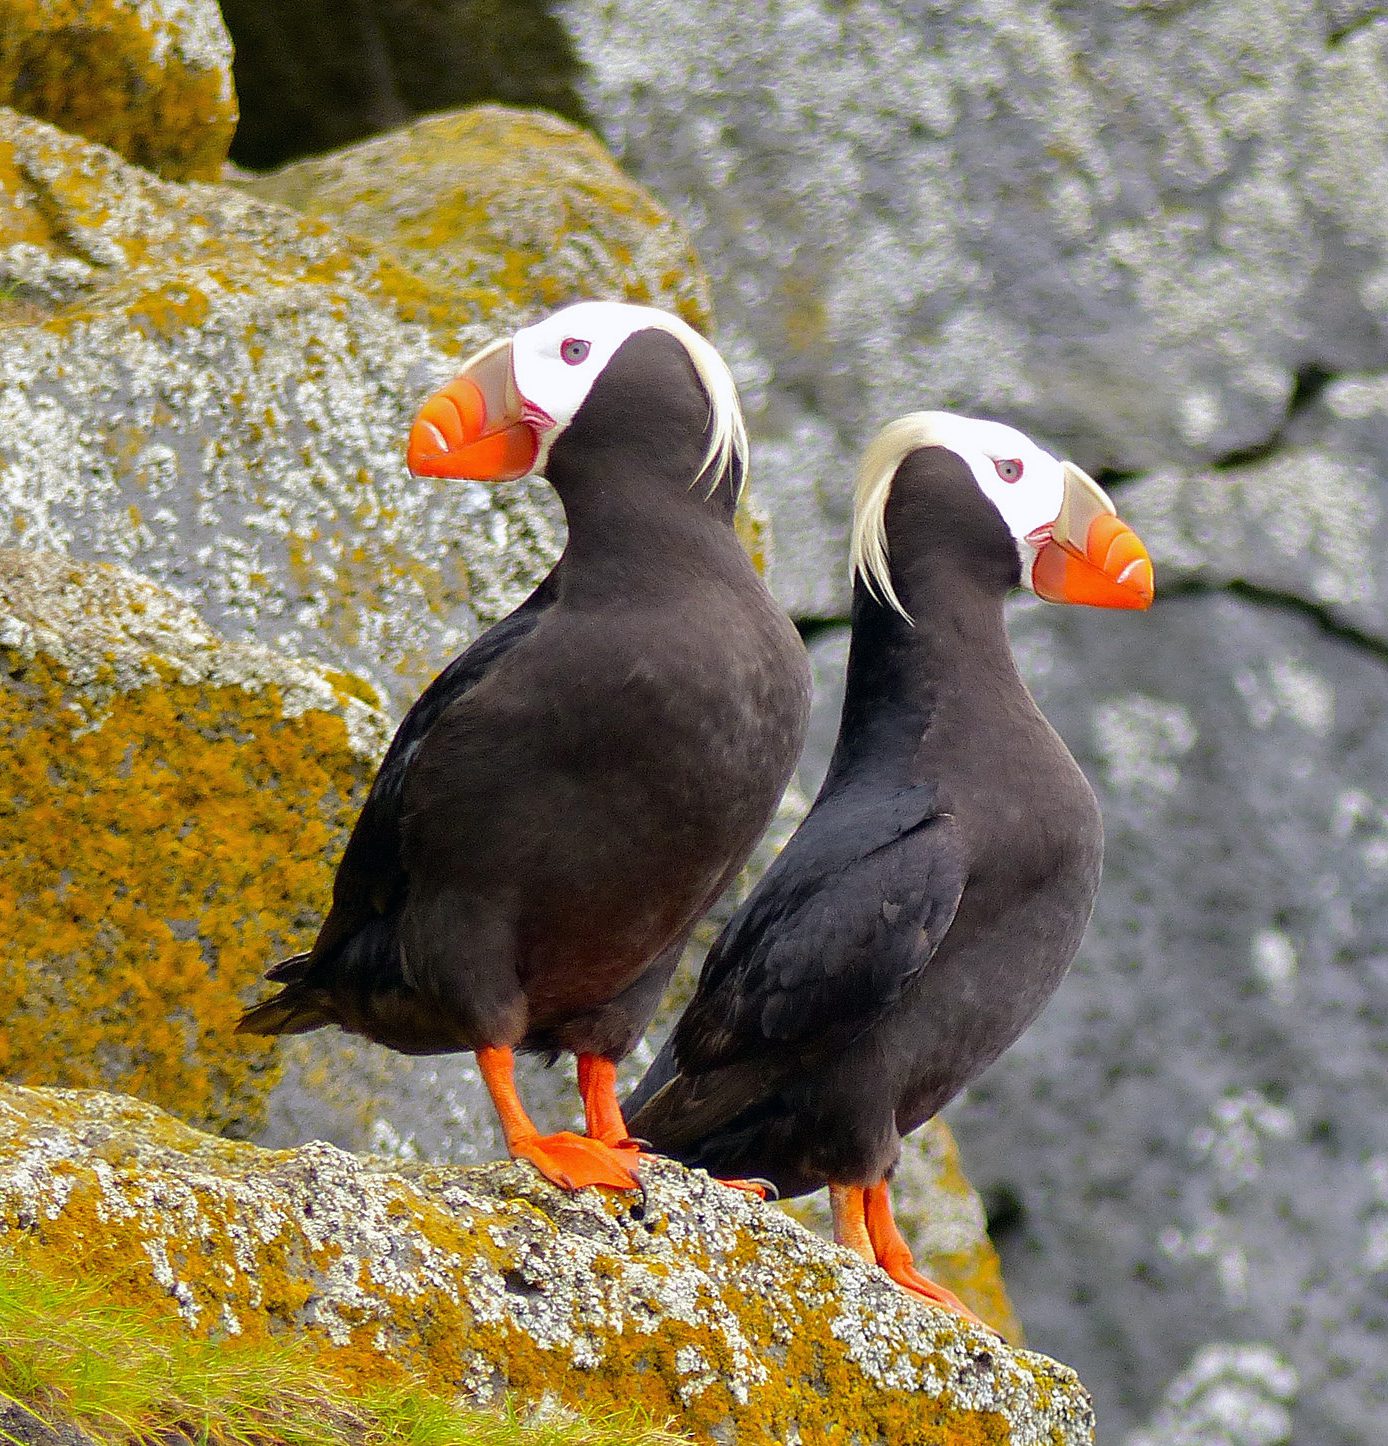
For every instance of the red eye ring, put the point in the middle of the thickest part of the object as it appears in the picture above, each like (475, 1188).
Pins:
(1008, 468)
(574, 350)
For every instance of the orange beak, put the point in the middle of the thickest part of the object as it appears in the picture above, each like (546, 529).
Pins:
(478, 426)
(1091, 555)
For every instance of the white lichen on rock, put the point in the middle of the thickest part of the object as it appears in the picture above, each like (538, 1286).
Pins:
(1129, 227)
(1231, 1394)
(111, 632)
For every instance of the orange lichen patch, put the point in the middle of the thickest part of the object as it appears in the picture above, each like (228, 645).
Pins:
(501, 204)
(153, 84)
(171, 829)
(703, 1306)
(753, 530)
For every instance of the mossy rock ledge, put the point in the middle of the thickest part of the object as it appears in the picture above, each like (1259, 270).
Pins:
(493, 200)
(710, 1309)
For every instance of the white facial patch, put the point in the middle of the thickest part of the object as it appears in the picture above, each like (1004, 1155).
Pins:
(557, 360)
(556, 378)
(1025, 484)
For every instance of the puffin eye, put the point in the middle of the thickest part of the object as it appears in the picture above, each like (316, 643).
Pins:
(1009, 468)
(574, 351)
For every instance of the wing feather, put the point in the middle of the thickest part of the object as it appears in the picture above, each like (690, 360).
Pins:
(838, 929)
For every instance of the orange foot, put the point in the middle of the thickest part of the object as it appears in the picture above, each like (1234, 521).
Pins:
(888, 1245)
(906, 1275)
(575, 1161)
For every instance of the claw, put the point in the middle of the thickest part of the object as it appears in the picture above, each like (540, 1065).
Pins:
(755, 1185)
(909, 1278)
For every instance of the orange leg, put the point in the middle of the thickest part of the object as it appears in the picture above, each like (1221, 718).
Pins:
(597, 1083)
(894, 1255)
(850, 1223)
(570, 1160)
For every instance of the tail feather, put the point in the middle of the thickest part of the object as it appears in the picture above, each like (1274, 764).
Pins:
(294, 1010)
(685, 1112)
(291, 969)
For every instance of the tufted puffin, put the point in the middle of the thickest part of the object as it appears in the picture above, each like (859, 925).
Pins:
(571, 794)
(933, 897)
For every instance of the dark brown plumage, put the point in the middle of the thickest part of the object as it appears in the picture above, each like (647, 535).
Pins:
(571, 794)
(927, 907)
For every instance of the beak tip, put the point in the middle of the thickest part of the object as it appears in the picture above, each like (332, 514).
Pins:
(425, 454)
(1137, 578)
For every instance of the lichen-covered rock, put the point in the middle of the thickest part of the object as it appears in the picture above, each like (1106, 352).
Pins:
(216, 391)
(692, 1299)
(318, 74)
(1307, 519)
(492, 203)
(149, 78)
(1130, 227)
(173, 804)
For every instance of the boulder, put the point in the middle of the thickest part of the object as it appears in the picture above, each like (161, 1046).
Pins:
(174, 802)
(1303, 521)
(692, 1299)
(216, 391)
(1137, 229)
(493, 203)
(316, 74)
(149, 78)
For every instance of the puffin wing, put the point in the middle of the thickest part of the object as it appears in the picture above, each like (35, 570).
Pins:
(836, 931)
(371, 878)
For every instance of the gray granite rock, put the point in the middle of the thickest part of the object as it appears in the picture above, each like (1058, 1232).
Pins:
(216, 390)
(1187, 1156)
(1130, 227)
(1304, 519)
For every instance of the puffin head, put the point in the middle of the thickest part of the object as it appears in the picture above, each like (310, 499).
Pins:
(1070, 545)
(501, 416)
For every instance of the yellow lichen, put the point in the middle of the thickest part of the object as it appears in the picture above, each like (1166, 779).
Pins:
(99, 70)
(500, 206)
(488, 1280)
(155, 856)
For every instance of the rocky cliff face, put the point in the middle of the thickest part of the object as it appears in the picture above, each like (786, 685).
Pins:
(213, 387)
(691, 1298)
(1142, 230)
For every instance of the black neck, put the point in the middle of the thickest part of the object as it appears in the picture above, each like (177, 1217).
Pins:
(648, 533)
(933, 678)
